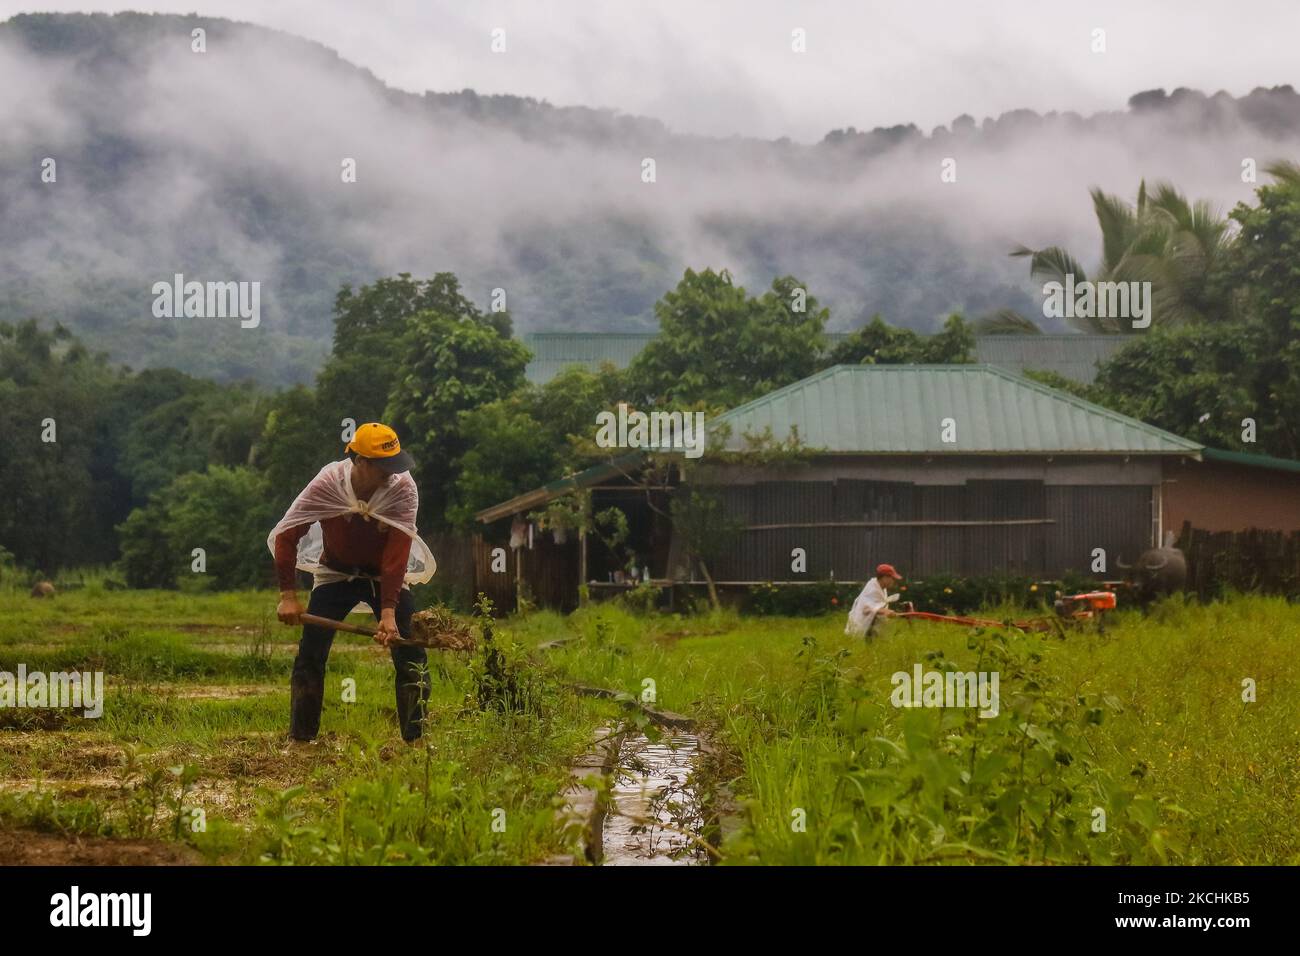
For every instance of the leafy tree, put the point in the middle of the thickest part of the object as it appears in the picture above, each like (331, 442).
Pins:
(1202, 380)
(147, 559)
(509, 452)
(52, 387)
(719, 346)
(1266, 268)
(878, 343)
(449, 365)
(371, 329)
(954, 344)
(567, 405)
(224, 511)
(208, 424)
(531, 438)
(296, 442)
(707, 530)
(1187, 380)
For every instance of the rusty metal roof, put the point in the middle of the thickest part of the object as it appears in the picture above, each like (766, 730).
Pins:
(903, 409)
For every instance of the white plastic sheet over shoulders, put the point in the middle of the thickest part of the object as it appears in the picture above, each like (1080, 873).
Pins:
(330, 495)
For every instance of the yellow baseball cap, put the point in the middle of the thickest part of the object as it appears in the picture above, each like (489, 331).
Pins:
(378, 444)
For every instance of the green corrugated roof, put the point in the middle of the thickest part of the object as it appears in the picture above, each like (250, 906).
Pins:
(898, 409)
(1073, 355)
(553, 352)
(561, 486)
(1255, 461)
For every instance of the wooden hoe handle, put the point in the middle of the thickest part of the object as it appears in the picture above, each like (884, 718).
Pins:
(338, 625)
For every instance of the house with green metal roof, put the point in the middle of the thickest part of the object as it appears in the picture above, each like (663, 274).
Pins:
(964, 469)
(956, 469)
(898, 410)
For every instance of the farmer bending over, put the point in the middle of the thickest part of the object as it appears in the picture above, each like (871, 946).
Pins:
(873, 602)
(353, 527)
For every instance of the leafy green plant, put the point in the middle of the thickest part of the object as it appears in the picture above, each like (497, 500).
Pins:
(1025, 785)
(641, 600)
(501, 682)
(184, 775)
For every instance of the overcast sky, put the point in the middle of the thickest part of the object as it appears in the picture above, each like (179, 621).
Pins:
(728, 68)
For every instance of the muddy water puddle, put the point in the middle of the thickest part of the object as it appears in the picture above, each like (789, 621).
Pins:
(654, 813)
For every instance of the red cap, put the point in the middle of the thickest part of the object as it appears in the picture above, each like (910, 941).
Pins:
(883, 569)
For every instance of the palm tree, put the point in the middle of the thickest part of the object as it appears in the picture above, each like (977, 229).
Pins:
(1163, 239)
(1286, 172)
(1006, 322)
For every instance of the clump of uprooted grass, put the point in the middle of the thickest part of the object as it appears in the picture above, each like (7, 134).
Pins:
(438, 628)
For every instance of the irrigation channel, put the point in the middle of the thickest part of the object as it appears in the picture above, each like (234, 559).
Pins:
(654, 813)
(651, 812)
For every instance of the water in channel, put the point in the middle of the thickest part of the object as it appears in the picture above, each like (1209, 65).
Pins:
(654, 813)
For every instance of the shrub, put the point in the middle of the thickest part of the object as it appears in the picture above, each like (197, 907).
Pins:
(641, 600)
(801, 600)
(222, 510)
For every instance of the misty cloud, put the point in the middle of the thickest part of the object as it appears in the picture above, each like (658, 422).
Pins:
(226, 166)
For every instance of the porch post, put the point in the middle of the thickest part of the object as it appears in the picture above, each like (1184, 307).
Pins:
(582, 566)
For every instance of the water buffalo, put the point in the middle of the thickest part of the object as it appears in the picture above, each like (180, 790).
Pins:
(1158, 571)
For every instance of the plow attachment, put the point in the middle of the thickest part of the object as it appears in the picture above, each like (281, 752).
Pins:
(1036, 624)
(1073, 608)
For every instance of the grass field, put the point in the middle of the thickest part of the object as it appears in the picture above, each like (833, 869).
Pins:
(1131, 746)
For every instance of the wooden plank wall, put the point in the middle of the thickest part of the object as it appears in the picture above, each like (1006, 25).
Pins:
(1267, 561)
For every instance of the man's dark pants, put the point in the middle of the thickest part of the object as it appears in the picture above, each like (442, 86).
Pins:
(307, 688)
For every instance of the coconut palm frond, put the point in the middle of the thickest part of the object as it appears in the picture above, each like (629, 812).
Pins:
(1153, 240)
(1174, 244)
(1171, 303)
(1093, 325)
(1169, 200)
(1053, 264)
(1118, 223)
(1285, 171)
(1212, 231)
(1006, 322)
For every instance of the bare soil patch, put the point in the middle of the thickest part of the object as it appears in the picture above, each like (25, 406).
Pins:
(32, 848)
(219, 691)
